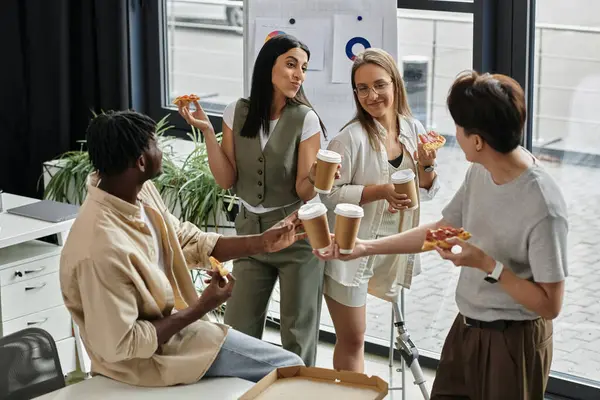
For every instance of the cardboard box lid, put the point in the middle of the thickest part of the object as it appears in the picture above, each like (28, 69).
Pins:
(312, 379)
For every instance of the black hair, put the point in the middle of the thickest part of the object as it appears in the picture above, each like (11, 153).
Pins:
(116, 139)
(491, 106)
(261, 92)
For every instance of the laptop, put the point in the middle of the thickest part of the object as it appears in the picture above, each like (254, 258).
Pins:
(47, 210)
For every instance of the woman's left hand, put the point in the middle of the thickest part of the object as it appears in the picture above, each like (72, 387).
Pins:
(425, 157)
(467, 255)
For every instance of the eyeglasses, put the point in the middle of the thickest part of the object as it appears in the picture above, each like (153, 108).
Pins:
(378, 88)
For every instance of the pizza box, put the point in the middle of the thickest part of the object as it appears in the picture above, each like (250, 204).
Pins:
(295, 383)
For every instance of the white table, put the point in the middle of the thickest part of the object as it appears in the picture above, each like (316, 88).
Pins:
(16, 229)
(100, 388)
(30, 292)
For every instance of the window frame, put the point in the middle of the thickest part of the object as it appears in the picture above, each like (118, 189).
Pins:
(154, 70)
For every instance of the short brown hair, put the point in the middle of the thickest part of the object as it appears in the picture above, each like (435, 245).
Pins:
(491, 106)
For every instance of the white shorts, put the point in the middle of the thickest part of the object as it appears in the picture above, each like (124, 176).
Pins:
(378, 280)
(350, 296)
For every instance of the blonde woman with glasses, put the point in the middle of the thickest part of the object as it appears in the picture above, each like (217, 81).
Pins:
(380, 140)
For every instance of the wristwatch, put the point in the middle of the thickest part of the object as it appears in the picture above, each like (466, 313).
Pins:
(429, 168)
(495, 275)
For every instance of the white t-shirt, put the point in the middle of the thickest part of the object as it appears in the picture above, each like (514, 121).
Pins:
(157, 238)
(310, 127)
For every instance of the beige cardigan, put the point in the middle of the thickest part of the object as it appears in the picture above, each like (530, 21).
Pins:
(113, 287)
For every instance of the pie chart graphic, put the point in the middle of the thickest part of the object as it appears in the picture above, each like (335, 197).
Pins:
(273, 34)
(356, 40)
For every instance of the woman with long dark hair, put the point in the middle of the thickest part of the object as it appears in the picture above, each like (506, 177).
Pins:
(269, 144)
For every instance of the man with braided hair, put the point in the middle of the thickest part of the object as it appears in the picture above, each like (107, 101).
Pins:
(124, 272)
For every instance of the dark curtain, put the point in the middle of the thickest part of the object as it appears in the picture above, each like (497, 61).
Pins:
(60, 60)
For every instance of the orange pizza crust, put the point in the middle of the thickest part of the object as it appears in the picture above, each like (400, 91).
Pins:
(185, 99)
(216, 264)
(432, 141)
(437, 237)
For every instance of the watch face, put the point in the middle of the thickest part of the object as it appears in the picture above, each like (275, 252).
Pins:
(490, 279)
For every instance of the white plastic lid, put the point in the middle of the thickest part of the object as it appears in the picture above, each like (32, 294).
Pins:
(329, 156)
(312, 210)
(403, 176)
(349, 210)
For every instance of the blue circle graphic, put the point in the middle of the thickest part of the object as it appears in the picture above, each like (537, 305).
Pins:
(356, 40)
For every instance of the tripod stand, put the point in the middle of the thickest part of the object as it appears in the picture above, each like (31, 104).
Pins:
(407, 349)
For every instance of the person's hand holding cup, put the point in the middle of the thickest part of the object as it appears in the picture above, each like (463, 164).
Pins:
(404, 183)
(314, 220)
(326, 170)
(347, 222)
(396, 201)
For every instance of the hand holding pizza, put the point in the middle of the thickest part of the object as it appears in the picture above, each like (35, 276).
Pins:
(198, 117)
(425, 157)
(468, 256)
(427, 147)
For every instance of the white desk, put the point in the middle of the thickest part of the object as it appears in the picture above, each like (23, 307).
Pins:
(17, 229)
(100, 388)
(30, 292)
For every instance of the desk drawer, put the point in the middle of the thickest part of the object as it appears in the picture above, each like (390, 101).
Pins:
(57, 321)
(67, 355)
(26, 271)
(33, 295)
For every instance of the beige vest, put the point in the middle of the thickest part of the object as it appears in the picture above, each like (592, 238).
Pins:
(268, 176)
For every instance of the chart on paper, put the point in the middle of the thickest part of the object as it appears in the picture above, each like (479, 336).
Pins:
(310, 31)
(352, 34)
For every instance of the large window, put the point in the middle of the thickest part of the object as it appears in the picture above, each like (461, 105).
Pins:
(204, 50)
(566, 132)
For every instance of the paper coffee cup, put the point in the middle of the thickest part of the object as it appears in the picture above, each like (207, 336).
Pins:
(314, 220)
(405, 183)
(347, 222)
(327, 162)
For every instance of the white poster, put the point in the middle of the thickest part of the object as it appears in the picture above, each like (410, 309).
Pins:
(352, 34)
(310, 31)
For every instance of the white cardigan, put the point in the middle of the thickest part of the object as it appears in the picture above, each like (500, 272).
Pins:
(362, 166)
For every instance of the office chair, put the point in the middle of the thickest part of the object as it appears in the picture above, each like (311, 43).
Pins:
(29, 365)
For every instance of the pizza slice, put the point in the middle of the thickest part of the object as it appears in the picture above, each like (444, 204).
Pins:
(432, 140)
(185, 99)
(214, 263)
(437, 237)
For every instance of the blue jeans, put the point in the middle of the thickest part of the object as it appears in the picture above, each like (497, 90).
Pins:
(248, 358)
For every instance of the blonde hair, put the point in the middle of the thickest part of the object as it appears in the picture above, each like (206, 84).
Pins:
(384, 60)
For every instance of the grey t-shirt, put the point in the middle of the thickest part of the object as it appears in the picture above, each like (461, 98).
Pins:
(522, 224)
